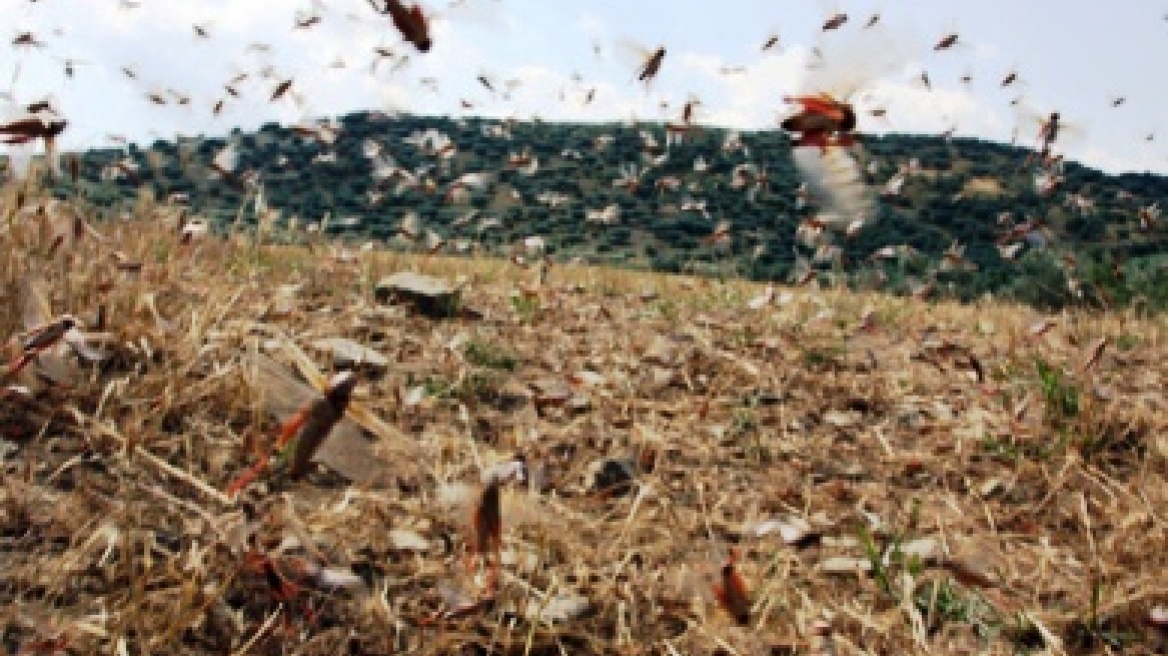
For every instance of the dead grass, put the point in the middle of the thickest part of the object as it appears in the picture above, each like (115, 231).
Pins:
(946, 483)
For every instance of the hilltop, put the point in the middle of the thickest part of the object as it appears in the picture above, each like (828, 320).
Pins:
(367, 171)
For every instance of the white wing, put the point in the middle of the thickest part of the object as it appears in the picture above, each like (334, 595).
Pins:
(833, 178)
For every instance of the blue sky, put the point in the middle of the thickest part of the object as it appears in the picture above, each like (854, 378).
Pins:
(1074, 56)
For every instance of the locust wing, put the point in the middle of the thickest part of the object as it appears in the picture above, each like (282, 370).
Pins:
(346, 450)
(835, 181)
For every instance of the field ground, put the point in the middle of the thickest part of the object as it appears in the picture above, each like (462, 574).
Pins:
(891, 476)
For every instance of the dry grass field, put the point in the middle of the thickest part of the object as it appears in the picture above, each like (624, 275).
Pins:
(708, 469)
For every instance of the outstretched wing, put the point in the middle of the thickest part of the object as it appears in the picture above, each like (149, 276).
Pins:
(834, 179)
(346, 449)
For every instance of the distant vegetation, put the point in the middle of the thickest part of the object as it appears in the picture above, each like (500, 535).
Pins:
(961, 189)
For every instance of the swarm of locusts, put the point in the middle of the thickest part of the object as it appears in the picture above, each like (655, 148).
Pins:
(213, 441)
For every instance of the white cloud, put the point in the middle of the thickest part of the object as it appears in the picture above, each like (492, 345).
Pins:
(912, 108)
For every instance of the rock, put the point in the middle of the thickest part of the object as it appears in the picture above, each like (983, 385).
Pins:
(927, 550)
(845, 565)
(793, 530)
(430, 296)
(660, 378)
(348, 354)
(407, 540)
(840, 419)
(558, 609)
(612, 476)
(558, 394)
(551, 392)
(525, 560)
(512, 395)
(764, 398)
(285, 301)
(661, 351)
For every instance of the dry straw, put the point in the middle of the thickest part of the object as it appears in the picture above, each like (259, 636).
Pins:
(845, 473)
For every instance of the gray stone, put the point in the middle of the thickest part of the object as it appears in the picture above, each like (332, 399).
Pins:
(430, 296)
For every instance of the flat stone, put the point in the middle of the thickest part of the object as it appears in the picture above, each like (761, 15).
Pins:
(841, 565)
(430, 296)
(407, 540)
(559, 609)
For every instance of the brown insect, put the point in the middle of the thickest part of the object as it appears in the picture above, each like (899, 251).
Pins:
(1048, 133)
(28, 39)
(281, 89)
(771, 42)
(38, 339)
(652, 66)
(487, 518)
(835, 22)
(309, 426)
(1040, 328)
(40, 122)
(51, 647)
(281, 589)
(721, 234)
(730, 591)
(1096, 353)
(1148, 216)
(823, 121)
(946, 42)
(410, 21)
(305, 21)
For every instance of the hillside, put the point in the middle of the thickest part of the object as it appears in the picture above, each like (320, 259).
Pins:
(361, 172)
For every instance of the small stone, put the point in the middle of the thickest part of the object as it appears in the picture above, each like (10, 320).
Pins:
(793, 530)
(559, 609)
(661, 351)
(845, 565)
(407, 540)
(840, 419)
(926, 550)
(348, 354)
(612, 476)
